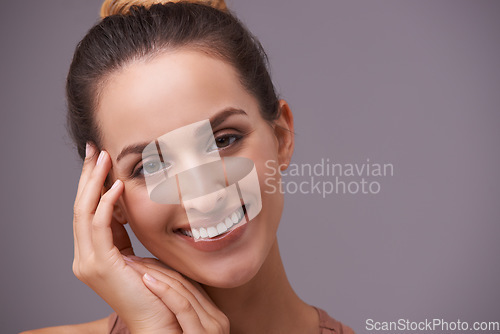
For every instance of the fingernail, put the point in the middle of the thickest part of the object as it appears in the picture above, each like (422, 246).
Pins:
(88, 150)
(149, 278)
(127, 259)
(101, 155)
(117, 182)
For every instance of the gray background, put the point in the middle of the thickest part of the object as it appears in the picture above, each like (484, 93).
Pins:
(412, 83)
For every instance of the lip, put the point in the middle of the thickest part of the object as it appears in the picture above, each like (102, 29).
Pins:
(219, 242)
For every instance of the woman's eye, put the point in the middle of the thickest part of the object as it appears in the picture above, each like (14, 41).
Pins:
(223, 142)
(151, 167)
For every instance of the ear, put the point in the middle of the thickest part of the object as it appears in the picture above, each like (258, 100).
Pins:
(119, 215)
(283, 129)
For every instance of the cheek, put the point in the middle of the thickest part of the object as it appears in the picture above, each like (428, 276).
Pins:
(272, 197)
(265, 158)
(145, 216)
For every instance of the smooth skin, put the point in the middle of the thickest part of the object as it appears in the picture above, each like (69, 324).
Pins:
(241, 289)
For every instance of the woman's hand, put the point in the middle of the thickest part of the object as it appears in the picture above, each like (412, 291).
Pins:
(190, 304)
(99, 262)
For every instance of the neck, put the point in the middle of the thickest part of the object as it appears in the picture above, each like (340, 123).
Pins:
(267, 303)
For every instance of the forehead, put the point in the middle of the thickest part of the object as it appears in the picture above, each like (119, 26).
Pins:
(147, 99)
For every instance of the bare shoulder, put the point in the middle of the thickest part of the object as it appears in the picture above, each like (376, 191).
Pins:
(95, 327)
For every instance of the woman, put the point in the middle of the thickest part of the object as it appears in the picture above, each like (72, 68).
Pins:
(141, 75)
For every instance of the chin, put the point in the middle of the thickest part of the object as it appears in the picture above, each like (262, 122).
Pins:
(230, 275)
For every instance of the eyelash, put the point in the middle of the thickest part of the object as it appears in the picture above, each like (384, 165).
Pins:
(138, 172)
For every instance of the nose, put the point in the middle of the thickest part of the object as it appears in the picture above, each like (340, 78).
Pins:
(206, 204)
(201, 180)
(203, 188)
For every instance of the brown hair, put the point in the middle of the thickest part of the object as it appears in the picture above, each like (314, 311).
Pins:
(132, 30)
(112, 7)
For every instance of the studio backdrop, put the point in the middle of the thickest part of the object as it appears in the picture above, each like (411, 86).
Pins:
(392, 196)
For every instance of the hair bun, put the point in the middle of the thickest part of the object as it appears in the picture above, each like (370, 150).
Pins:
(122, 7)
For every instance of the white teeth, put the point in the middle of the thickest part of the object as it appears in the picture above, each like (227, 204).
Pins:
(215, 230)
(221, 228)
(196, 233)
(212, 231)
(234, 218)
(228, 222)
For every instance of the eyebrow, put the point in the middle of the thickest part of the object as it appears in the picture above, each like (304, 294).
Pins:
(215, 121)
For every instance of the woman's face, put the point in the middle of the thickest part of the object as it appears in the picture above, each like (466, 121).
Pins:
(146, 100)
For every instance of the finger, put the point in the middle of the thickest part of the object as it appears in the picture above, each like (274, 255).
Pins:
(170, 277)
(149, 260)
(91, 192)
(194, 287)
(102, 235)
(76, 257)
(155, 264)
(180, 306)
(202, 306)
(88, 167)
(87, 204)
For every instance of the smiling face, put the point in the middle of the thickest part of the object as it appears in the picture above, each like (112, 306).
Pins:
(144, 101)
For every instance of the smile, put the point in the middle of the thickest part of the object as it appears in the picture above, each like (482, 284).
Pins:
(218, 228)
